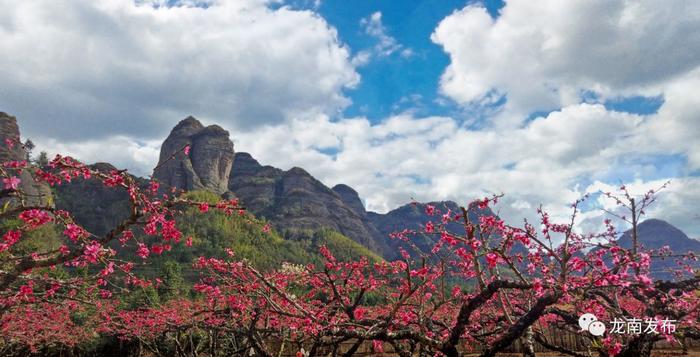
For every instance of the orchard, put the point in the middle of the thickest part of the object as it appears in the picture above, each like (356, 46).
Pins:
(480, 289)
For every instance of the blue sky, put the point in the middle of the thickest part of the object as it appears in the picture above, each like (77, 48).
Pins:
(544, 101)
(393, 84)
(389, 83)
(386, 81)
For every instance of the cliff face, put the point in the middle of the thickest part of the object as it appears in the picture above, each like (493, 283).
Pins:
(254, 184)
(35, 193)
(208, 165)
(95, 206)
(351, 199)
(294, 200)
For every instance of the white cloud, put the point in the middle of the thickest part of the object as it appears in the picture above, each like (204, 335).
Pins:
(541, 54)
(677, 203)
(123, 152)
(88, 68)
(677, 126)
(105, 80)
(386, 44)
(545, 162)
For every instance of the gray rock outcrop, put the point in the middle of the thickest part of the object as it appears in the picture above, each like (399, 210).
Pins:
(351, 198)
(35, 193)
(208, 165)
(294, 199)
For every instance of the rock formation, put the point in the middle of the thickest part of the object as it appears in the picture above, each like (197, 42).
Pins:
(208, 165)
(36, 193)
(295, 200)
(253, 183)
(95, 206)
(351, 198)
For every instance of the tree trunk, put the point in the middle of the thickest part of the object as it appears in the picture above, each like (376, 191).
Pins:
(639, 347)
(528, 342)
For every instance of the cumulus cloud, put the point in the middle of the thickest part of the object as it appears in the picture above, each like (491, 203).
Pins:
(676, 127)
(386, 44)
(541, 55)
(676, 203)
(123, 152)
(547, 162)
(95, 68)
(105, 80)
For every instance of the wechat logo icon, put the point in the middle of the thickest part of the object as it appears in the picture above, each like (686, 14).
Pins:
(589, 322)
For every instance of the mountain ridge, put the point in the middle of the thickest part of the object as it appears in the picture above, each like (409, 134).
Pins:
(292, 200)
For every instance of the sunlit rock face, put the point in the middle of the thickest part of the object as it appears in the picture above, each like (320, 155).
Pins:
(208, 165)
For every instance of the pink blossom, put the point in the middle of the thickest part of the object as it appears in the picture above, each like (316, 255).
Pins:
(109, 269)
(170, 231)
(11, 183)
(448, 238)
(429, 227)
(9, 239)
(537, 286)
(16, 164)
(186, 150)
(378, 346)
(64, 249)
(126, 236)
(492, 259)
(74, 232)
(475, 244)
(359, 313)
(115, 179)
(27, 289)
(92, 252)
(157, 249)
(612, 346)
(35, 218)
(644, 279)
(142, 251)
(447, 217)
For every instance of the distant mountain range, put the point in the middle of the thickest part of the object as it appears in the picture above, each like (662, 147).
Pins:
(656, 234)
(293, 200)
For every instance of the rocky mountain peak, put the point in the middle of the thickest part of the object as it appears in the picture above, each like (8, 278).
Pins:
(351, 198)
(209, 163)
(297, 171)
(187, 125)
(244, 159)
(295, 200)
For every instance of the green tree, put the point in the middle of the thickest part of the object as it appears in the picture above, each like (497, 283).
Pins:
(43, 159)
(173, 283)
